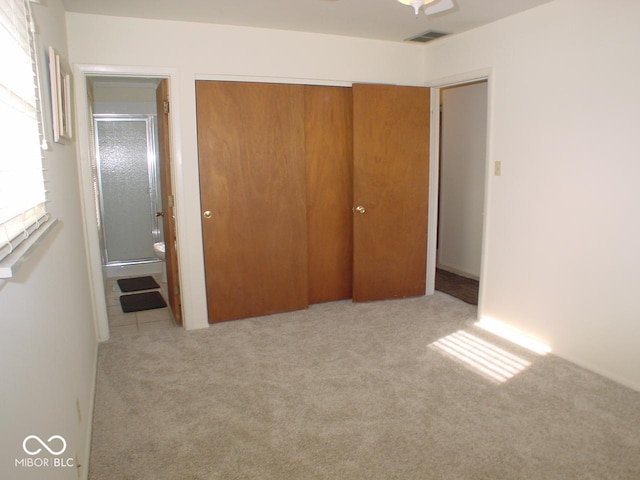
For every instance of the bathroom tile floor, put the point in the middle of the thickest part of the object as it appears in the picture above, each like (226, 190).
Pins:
(126, 324)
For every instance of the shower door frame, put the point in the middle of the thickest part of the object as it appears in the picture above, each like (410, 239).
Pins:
(153, 174)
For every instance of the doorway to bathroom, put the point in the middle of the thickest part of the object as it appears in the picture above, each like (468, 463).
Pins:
(127, 182)
(131, 182)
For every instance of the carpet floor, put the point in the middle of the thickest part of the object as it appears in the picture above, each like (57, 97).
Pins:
(349, 391)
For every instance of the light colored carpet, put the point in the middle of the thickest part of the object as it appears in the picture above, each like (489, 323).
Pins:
(351, 391)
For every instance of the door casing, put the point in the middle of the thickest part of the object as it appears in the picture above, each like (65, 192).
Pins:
(218, 105)
(88, 206)
(434, 157)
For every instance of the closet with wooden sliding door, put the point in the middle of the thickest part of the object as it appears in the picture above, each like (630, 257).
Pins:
(311, 194)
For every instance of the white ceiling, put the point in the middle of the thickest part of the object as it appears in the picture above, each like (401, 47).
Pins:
(377, 19)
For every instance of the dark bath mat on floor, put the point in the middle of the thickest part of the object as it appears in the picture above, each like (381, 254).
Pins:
(137, 283)
(142, 301)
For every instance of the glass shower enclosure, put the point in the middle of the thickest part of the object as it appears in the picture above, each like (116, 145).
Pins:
(128, 182)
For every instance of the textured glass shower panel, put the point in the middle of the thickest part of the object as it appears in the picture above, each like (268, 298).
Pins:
(123, 155)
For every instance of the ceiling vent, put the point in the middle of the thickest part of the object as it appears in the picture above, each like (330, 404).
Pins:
(426, 36)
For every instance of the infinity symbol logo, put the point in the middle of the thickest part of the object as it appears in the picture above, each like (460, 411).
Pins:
(46, 447)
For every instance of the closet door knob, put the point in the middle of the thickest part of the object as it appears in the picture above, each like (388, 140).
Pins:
(207, 214)
(359, 209)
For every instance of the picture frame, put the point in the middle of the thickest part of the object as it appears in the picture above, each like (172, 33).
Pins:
(61, 95)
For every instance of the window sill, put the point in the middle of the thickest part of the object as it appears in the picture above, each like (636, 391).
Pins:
(10, 264)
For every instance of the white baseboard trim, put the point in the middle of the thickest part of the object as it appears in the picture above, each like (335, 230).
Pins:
(84, 468)
(600, 371)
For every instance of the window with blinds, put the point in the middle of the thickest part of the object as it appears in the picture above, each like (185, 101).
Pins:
(22, 191)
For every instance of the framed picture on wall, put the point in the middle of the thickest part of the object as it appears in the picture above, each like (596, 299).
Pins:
(60, 79)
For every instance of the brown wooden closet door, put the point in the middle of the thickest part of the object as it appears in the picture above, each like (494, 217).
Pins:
(329, 155)
(391, 168)
(252, 181)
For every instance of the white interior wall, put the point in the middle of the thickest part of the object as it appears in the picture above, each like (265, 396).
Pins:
(48, 342)
(463, 130)
(205, 51)
(562, 234)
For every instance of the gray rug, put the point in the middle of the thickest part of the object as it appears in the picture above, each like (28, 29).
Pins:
(352, 391)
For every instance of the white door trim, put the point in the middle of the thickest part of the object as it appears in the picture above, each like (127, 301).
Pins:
(434, 172)
(83, 147)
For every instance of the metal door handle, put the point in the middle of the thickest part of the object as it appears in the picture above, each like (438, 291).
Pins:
(359, 209)
(207, 214)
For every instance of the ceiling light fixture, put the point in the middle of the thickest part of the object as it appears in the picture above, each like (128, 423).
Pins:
(416, 4)
(437, 7)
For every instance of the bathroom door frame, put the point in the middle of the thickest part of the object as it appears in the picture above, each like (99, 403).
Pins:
(152, 172)
(88, 195)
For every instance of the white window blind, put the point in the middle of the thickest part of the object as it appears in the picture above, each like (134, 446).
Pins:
(22, 192)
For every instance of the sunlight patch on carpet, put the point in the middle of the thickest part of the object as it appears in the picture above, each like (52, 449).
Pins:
(483, 357)
(513, 335)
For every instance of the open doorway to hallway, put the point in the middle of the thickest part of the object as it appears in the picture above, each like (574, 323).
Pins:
(461, 189)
